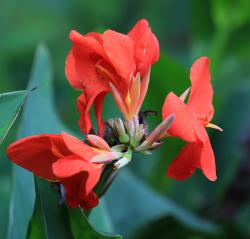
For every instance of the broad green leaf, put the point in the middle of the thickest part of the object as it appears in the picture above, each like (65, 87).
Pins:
(100, 219)
(4, 206)
(36, 230)
(39, 117)
(50, 220)
(21, 203)
(81, 228)
(10, 105)
(132, 204)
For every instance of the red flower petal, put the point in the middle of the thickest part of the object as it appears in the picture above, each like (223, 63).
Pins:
(187, 161)
(84, 103)
(81, 73)
(207, 160)
(146, 46)
(37, 154)
(77, 191)
(71, 73)
(184, 125)
(98, 112)
(199, 153)
(201, 93)
(61, 158)
(139, 28)
(191, 157)
(69, 166)
(92, 42)
(90, 201)
(83, 107)
(76, 194)
(119, 49)
(77, 147)
(84, 63)
(79, 68)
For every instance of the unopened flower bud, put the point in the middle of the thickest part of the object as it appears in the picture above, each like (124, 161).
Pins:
(119, 126)
(111, 122)
(98, 142)
(129, 124)
(136, 122)
(106, 157)
(123, 136)
(157, 133)
(118, 148)
(155, 145)
(135, 141)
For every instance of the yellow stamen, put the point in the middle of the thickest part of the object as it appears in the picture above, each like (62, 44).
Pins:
(128, 100)
(214, 126)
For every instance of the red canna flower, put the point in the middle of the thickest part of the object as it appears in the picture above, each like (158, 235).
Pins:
(190, 122)
(111, 62)
(65, 159)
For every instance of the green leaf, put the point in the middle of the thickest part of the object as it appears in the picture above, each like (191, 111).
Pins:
(39, 117)
(21, 203)
(100, 219)
(36, 231)
(50, 220)
(132, 204)
(10, 105)
(81, 228)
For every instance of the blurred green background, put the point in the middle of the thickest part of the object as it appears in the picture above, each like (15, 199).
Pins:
(186, 30)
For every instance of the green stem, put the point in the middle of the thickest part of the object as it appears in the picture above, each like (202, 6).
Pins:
(105, 182)
(108, 176)
(108, 182)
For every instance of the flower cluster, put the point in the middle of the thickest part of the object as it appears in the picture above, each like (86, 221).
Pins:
(120, 64)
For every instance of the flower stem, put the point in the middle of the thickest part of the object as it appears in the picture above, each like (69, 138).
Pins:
(108, 176)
